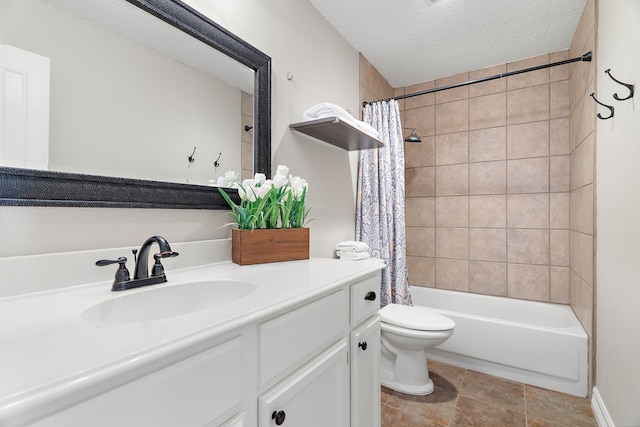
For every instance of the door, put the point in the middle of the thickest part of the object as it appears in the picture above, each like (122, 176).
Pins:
(24, 108)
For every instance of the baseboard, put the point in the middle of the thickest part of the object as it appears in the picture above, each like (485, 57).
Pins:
(599, 410)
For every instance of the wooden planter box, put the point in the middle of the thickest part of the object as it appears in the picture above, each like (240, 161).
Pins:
(269, 245)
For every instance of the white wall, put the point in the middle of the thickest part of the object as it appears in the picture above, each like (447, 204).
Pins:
(618, 222)
(324, 68)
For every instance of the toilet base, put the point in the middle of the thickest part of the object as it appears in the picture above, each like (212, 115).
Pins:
(386, 379)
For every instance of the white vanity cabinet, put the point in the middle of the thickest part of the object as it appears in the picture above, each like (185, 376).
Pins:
(340, 386)
(306, 362)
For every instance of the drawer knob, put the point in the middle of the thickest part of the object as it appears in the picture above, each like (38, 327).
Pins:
(278, 416)
(371, 296)
(363, 345)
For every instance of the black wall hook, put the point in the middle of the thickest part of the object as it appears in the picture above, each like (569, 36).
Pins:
(191, 158)
(604, 105)
(628, 86)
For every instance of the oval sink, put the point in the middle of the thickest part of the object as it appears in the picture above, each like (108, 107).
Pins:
(160, 302)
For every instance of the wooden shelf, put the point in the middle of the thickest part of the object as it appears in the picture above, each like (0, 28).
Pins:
(338, 133)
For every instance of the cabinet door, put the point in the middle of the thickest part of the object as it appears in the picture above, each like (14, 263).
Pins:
(315, 396)
(365, 374)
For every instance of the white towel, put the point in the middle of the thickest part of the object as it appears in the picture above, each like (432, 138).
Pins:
(353, 255)
(368, 129)
(326, 109)
(352, 246)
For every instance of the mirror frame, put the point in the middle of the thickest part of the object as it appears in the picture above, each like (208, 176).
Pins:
(31, 187)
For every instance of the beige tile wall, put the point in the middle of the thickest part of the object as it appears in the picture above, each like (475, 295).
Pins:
(582, 171)
(488, 188)
(582, 177)
(372, 85)
(500, 191)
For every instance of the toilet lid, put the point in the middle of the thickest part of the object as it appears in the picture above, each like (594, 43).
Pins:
(417, 318)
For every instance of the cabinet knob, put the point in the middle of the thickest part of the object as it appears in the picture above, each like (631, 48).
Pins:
(363, 345)
(278, 416)
(371, 296)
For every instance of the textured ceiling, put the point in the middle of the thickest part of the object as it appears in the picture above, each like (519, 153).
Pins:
(412, 41)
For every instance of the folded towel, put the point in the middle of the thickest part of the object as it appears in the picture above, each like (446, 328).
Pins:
(352, 246)
(353, 255)
(368, 129)
(326, 109)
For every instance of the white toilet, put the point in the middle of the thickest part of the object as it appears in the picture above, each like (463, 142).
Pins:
(406, 332)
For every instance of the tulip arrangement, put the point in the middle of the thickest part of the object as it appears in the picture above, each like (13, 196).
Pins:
(268, 203)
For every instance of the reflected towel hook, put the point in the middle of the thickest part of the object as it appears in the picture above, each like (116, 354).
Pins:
(191, 158)
(628, 86)
(216, 164)
(604, 105)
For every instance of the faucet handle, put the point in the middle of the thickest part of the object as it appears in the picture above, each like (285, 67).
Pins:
(122, 261)
(158, 268)
(122, 274)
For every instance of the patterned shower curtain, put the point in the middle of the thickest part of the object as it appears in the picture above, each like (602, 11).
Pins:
(380, 213)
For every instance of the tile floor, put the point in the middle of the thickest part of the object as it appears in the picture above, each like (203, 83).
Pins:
(468, 398)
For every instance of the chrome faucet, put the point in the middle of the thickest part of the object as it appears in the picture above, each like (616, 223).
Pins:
(141, 273)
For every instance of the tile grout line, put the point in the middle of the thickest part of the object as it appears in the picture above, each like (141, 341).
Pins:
(526, 411)
(455, 406)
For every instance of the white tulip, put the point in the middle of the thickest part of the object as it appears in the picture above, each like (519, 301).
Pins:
(282, 170)
(260, 178)
(264, 189)
(248, 190)
(231, 177)
(280, 181)
(298, 184)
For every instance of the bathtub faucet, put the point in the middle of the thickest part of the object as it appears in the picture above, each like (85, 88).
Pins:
(141, 274)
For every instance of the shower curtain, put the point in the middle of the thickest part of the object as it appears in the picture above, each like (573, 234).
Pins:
(380, 213)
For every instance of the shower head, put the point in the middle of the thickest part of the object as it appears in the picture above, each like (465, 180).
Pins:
(413, 137)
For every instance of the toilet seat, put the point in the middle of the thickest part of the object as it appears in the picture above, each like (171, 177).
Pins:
(415, 333)
(415, 318)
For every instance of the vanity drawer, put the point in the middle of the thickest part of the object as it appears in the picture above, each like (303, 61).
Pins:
(292, 339)
(365, 299)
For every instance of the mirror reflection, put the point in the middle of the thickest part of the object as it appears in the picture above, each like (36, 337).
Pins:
(105, 88)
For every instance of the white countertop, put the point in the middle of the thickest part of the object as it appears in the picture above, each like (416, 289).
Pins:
(47, 351)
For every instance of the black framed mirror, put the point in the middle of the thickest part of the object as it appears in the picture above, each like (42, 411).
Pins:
(32, 187)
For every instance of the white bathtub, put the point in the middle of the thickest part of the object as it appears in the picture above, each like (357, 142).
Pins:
(535, 343)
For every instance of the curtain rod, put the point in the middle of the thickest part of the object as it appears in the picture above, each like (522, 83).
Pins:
(586, 58)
